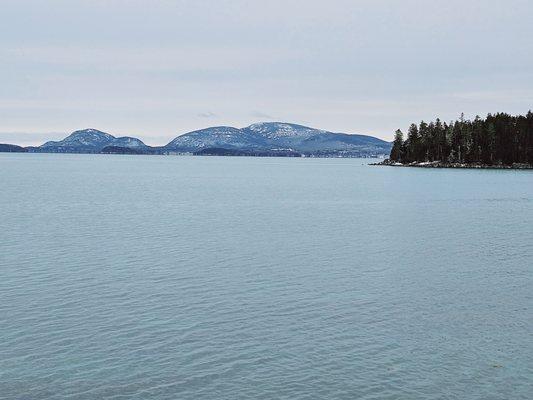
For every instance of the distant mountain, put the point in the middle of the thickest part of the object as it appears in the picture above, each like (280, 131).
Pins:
(261, 139)
(218, 136)
(275, 136)
(89, 141)
(12, 148)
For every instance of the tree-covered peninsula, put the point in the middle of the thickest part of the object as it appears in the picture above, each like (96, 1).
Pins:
(499, 140)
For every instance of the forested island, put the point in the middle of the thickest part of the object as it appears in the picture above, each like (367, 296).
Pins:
(497, 141)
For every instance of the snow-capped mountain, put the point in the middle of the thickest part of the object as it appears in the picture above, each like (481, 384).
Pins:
(275, 138)
(277, 135)
(218, 136)
(130, 142)
(89, 141)
(280, 130)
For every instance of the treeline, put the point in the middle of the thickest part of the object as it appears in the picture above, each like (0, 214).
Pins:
(498, 139)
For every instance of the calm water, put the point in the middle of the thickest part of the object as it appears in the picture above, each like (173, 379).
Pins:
(133, 277)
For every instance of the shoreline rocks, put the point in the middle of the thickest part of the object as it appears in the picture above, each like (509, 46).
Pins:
(440, 164)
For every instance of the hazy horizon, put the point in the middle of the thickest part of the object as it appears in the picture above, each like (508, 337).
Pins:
(158, 69)
(32, 139)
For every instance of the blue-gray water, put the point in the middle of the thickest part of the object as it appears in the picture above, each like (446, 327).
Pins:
(133, 277)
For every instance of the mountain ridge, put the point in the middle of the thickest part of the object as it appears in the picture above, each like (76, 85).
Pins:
(90, 141)
(259, 138)
(267, 136)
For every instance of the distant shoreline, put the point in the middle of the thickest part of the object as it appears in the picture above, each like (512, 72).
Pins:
(440, 164)
(206, 153)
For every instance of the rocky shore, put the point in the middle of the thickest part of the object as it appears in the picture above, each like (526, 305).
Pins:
(440, 164)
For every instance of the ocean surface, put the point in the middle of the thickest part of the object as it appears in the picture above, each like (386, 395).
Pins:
(165, 277)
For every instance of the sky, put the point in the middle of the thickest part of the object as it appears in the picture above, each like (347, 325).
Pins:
(157, 69)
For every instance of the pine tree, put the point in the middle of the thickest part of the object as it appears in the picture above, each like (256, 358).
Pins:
(498, 139)
(397, 147)
(413, 139)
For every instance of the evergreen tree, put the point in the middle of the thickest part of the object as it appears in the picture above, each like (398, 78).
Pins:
(413, 140)
(497, 139)
(397, 147)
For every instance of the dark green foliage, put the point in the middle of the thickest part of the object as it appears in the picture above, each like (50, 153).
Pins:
(120, 150)
(397, 147)
(499, 139)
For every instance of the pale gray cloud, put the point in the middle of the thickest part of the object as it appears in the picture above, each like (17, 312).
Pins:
(207, 114)
(147, 66)
(262, 115)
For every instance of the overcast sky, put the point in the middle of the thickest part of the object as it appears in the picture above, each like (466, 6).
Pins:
(155, 69)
